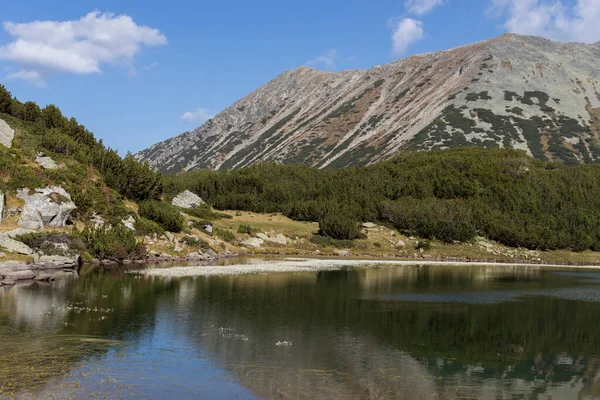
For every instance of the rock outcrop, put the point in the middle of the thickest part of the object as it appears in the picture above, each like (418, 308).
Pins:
(7, 134)
(46, 162)
(14, 246)
(187, 199)
(49, 206)
(513, 91)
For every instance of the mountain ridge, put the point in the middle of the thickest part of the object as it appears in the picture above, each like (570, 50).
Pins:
(510, 91)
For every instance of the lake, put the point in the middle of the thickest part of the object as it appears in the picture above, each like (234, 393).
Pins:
(384, 331)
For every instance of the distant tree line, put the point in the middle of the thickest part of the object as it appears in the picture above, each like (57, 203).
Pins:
(449, 195)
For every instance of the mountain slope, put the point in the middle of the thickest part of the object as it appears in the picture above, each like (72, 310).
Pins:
(512, 91)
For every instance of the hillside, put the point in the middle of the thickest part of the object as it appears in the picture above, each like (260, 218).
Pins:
(513, 91)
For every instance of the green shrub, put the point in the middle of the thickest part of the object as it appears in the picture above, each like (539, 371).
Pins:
(339, 225)
(145, 227)
(118, 243)
(164, 214)
(225, 234)
(246, 229)
(423, 244)
(53, 243)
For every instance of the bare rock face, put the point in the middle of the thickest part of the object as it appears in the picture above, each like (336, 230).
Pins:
(187, 199)
(7, 134)
(513, 91)
(49, 206)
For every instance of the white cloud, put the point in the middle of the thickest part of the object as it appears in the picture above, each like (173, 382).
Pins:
(406, 32)
(78, 46)
(201, 115)
(32, 77)
(328, 60)
(578, 21)
(422, 7)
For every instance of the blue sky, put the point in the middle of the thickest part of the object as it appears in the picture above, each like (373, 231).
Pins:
(136, 72)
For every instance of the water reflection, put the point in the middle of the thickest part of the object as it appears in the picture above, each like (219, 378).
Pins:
(382, 332)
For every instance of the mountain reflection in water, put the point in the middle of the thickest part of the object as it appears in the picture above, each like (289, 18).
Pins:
(384, 332)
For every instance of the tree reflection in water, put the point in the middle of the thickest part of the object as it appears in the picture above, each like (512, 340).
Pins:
(381, 332)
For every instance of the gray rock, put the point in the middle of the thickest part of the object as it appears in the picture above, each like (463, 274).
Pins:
(187, 199)
(97, 220)
(253, 242)
(194, 256)
(262, 236)
(2, 254)
(279, 238)
(170, 236)
(14, 246)
(343, 253)
(208, 228)
(46, 162)
(369, 225)
(20, 275)
(51, 206)
(31, 218)
(129, 222)
(399, 244)
(7, 134)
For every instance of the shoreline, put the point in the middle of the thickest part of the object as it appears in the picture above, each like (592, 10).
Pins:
(16, 272)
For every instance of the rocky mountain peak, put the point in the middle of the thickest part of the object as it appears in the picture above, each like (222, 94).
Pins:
(514, 91)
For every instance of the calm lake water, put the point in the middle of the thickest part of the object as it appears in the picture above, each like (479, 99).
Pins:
(384, 332)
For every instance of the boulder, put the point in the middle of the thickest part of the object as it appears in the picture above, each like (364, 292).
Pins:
(262, 236)
(2, 254)
(1, 205)
(46, 162)
(399, 244)
(7, 134)
(279, 238)
(170, 236)
(187, 199)
(14, 246)
(253, 242)
(208, 228)
(129, 222)
(51, 206)
(369, 225)
(343, 253)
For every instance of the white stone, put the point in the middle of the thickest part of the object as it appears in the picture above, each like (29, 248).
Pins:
(1, 205)
(262, 236)
(187, 199)
(129, 223)
(279, 238)
(369, 225)
(46, 162)
(253, 242)
(7, 134)
(14, 246)
(52, 206)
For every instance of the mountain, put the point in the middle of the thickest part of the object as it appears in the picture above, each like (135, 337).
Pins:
(513, 91)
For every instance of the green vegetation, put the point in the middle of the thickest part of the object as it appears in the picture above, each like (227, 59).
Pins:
(449, 195)
(225, 234)
(246, 229)
(478, 96)
(167, 216)
(145, 227)
(194, 242)
(118, 243)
